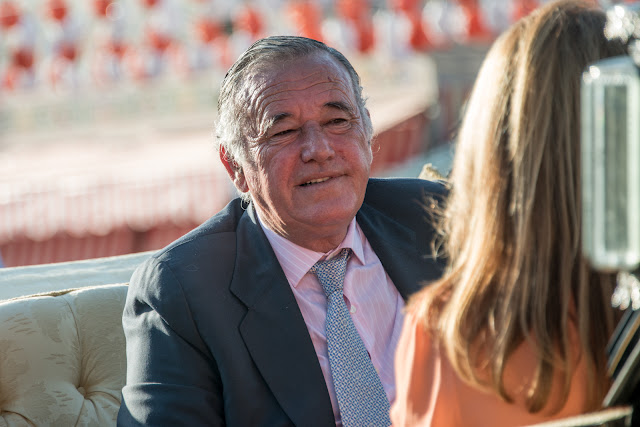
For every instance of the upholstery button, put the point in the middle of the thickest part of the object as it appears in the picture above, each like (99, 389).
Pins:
(82, 391)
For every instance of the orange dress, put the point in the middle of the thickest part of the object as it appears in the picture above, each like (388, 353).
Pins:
(429, 392)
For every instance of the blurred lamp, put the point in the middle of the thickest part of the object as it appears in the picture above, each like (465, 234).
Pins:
(611, 151)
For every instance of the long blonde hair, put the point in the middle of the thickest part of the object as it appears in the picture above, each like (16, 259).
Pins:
(511, 225)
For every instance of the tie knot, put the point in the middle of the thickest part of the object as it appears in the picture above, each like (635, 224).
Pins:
(330, 272)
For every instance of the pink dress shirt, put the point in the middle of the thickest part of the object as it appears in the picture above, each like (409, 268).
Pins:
(374, 302)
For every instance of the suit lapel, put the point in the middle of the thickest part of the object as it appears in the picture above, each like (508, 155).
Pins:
(396, 247)
(274, 330)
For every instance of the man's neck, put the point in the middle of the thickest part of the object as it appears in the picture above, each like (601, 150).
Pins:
(316, 241)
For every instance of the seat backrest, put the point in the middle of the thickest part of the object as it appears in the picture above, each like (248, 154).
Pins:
(62, 357)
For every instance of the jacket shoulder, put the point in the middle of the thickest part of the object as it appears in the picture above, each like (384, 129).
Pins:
(404, 195)
(206, 251)
(225, 221)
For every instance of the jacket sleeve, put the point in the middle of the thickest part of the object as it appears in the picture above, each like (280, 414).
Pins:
(172, 379)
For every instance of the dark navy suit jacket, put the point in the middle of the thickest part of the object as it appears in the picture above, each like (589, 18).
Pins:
(214, 334)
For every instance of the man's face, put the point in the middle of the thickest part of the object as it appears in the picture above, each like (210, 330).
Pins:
(308, 159)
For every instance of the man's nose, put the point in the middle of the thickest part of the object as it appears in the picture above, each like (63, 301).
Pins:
(316, 145)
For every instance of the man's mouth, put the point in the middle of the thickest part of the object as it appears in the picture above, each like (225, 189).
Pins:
(314, 181)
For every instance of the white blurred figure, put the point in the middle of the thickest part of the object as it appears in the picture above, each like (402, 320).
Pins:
(478, 32)
(392, 33)
(273, 20)
(19, 44)
(351, 30)
(400, 30)
(498, 14)
(112, 37)
(206, 42)
(162, 53)
(445, 21)
(249, 22)
(339, 34)
(66, 34)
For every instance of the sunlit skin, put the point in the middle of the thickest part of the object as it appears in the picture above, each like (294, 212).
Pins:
(309, 159)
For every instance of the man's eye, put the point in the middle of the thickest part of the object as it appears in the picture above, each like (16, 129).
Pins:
(284, 132)
(339, 124)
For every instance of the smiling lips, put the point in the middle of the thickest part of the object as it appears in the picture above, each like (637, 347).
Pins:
(314, 181)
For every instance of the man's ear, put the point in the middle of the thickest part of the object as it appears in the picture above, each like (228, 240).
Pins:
(366, 110)
(234, 170)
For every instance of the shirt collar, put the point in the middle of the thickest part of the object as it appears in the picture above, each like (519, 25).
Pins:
(296, 260)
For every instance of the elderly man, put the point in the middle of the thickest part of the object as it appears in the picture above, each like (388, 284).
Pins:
(285, 307)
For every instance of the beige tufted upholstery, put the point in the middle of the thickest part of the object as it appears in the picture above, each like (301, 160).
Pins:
(62, 358)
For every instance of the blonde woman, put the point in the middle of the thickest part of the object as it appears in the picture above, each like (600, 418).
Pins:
(515, 332)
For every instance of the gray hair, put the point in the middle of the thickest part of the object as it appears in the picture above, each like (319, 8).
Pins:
(233, 122)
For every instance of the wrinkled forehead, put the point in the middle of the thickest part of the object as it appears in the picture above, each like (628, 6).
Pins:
(312, 75)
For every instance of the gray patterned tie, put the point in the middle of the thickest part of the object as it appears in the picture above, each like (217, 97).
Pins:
(360, 393)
